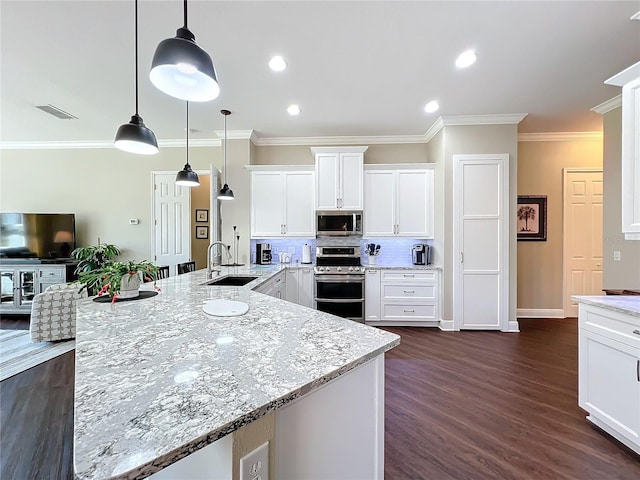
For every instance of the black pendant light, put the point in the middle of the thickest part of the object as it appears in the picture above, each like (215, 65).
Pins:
(187, 177)
(225, 192)
(134, 136)
(182, 69)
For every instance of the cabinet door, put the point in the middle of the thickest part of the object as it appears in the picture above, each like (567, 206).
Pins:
(372, 295)
(299, 217)
(291, 291)
(379, 203)
(9, 283)
(327, 186)
(415, 205)
(631, 160)
(267, 204)
(609, 383)
(351, 181)
(305, 287)
(26, 288)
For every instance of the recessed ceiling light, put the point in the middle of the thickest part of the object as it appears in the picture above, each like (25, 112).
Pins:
(277, 64)
(466, 59)
(431, 107)
(293, 109)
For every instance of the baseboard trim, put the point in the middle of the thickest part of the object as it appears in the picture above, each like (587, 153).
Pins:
(540, 313)
(513, 327)
(447, 326)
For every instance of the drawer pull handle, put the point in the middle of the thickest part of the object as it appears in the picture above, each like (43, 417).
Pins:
(409, 275)
(636, 331)
(638, 370)
(409, 311)
(409, 291)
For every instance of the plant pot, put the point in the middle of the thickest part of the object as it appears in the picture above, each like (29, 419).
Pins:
(130, 285)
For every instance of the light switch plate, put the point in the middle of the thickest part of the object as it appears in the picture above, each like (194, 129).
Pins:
(616, 256)
(255, 465)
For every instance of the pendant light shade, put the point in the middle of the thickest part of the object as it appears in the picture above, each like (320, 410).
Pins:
(187, 177)
(225, 192)
(181, 69)
(134, 136)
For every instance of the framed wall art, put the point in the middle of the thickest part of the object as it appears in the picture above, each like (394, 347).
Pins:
(202, 215)
(532, 217)
(202, 231)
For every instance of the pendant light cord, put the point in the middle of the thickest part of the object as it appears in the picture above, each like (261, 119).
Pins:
(187, 133)
(225, 149)
(185, 13)
(136, 41)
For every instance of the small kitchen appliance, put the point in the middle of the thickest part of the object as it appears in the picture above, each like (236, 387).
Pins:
(263, 253)
(338, 223)
(421, 254)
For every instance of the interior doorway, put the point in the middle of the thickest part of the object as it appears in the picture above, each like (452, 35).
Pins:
(582, 235)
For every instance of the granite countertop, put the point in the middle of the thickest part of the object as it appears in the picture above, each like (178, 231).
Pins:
(157, 378)
(409, 266)
(627, 304)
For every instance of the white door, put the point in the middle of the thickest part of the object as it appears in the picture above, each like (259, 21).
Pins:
(267, 204)
(171, 221)
(299, 214)
(351, 181)
(582, 236)
(380, 203)
(481, 242)
(327, 181)
(415, 192)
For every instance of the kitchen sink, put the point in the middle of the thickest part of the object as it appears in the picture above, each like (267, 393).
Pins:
(231, 280)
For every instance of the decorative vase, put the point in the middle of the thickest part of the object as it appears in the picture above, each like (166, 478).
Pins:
(130, 285)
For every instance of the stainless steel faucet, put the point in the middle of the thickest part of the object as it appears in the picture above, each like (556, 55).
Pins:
(209, 262)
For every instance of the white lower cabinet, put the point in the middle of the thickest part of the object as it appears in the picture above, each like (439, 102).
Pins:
(300, 286)
(275, 287)
(21, 283)
(402, 297)
(609, 372)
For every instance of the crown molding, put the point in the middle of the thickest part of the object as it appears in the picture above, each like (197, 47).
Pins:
(433, 130)
(558, 136)
(491, 119)
(625, 76)
(336, 140)
(236, 134)
(609, 105)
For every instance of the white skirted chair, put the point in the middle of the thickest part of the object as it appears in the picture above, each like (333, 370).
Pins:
(53, 313)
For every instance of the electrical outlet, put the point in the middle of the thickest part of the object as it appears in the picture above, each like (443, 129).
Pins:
(255, 465)
(616, 256)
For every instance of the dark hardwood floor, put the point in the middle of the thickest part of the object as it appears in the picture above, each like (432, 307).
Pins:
(463, 406)
(490, 405)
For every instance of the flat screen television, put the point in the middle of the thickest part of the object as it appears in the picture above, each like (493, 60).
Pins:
(37, 235)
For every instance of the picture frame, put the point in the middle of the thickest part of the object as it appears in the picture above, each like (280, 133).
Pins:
(531, 217)
(202, 232)
(202, 215)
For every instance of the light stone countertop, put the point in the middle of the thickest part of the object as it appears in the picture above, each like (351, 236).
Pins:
(157, 378)
(627, 304)
(404, 267)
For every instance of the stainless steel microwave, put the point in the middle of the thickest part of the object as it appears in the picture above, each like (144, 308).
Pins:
(339, 223)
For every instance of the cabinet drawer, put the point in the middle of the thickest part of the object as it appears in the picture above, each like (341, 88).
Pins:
(421, 292)
(48, 274)
(423, 311)
(611, 324)
(409, 275)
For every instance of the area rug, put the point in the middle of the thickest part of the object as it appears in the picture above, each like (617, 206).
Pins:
(18, 353)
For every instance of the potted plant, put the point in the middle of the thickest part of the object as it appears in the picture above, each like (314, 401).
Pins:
(94, 256)
(119, 279)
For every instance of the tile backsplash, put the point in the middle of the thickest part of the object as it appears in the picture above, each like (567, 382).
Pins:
(393, 251)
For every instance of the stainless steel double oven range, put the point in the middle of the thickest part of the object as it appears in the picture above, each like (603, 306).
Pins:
(339, 282)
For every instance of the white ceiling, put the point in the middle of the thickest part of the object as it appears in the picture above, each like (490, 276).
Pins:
(355, 68)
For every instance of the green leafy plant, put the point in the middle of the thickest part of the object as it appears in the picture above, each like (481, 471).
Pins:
(107, 280)
(93, 257)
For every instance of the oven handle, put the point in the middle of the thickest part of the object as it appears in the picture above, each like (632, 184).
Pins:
(339, 300)
(340, 278)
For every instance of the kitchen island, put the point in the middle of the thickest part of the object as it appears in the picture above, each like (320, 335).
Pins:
(158, 379)
(609, 364)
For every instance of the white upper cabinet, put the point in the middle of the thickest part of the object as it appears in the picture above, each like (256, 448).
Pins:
(629, 80)
(398, 201)
(282, 203)
(339, 177)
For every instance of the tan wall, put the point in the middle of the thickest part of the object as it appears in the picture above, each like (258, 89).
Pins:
(200, 197)
(540, 264)
(302, 155)
(626, 272)
(435, 152)
(103, 187)
(478, 140)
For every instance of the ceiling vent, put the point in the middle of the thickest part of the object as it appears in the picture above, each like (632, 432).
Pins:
(56, 112)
